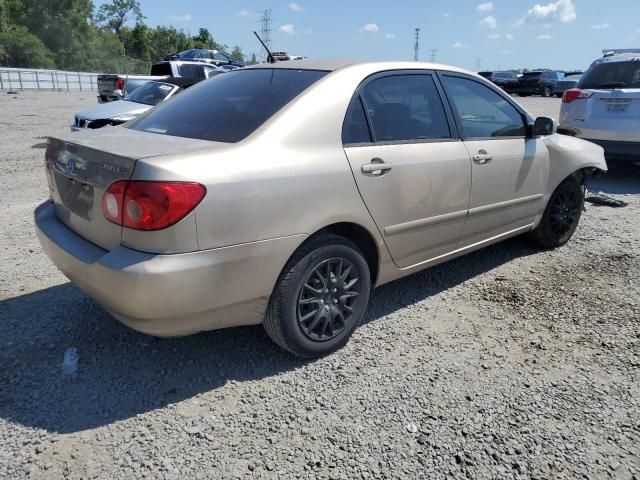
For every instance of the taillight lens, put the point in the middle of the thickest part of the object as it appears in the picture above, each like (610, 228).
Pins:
(144, 205)
(575, 94)
(120, 83)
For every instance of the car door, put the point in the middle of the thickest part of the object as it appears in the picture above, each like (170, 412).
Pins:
(411, 168)
(509, 171)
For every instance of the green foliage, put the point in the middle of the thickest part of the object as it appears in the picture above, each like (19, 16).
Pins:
(66, 34)
(166, 40)
(237, 54)
(253, 60)
(114, 15)
(204, 39)
(19, 48)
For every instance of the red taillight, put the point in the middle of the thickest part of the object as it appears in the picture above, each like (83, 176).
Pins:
(120, 83)
(575, 94)
(150, 205)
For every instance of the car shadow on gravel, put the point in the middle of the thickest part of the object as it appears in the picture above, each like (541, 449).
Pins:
(422, 285)
(122, 373)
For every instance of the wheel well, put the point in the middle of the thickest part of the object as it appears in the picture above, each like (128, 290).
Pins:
(588, 172)
(363, 240)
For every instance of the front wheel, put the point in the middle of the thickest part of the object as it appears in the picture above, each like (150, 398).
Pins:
(562, 215)
(546, 92)
(320, 298)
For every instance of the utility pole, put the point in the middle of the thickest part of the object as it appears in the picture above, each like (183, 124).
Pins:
(266, 30)
(478, 64)
(433, 55)
(416, 46)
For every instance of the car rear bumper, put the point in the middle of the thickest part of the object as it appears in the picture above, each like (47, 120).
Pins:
(169, 295)
(617, 150)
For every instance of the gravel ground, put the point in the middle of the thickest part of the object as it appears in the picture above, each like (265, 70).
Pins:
(507, 363)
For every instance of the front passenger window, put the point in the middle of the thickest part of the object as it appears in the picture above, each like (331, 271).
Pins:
(483, 112)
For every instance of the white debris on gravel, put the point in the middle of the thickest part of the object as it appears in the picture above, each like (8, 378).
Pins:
(509, 363)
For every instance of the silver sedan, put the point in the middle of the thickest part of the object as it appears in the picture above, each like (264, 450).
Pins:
(283, 193)
(143, 98)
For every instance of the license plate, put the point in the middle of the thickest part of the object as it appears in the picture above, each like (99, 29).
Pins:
(105, 85)
(616, 108)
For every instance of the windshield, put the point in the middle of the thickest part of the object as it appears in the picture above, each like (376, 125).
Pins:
(150, 93)
(532, 74)
(612, 75)
(229, 107)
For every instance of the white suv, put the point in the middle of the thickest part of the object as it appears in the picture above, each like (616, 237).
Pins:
(605, 106)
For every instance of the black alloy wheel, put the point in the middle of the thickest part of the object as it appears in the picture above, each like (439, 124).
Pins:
(320, 297)
(326, 298)
(564, 211)
(562, 214)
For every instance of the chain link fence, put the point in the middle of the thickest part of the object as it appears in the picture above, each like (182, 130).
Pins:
(52, 80)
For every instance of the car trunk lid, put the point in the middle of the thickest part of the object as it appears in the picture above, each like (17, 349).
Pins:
(80, 167)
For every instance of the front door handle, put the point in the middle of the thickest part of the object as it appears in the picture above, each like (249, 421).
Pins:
(482, 157)
(376, 168)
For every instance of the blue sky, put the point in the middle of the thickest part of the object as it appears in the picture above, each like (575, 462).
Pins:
(562, 34)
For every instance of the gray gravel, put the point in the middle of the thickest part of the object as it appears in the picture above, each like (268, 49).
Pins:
(508, 363)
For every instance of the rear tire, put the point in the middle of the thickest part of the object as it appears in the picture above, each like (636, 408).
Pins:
(320, 298)
(559, 95)
(546, 92)
(562, 215)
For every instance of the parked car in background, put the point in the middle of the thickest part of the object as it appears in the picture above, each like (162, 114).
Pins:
(143, 98)
(565, 84)
(604, 108)
(249, 198)
(538, 83)
(212, 57)
(508, 81)
(112, 87)
(284, 56)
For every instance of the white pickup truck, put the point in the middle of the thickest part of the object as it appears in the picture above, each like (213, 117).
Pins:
(113, 87)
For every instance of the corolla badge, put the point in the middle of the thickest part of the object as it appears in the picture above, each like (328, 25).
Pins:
(69, 167)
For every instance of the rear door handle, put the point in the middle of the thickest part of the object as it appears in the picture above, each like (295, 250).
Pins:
(376, 168)
(482, 157)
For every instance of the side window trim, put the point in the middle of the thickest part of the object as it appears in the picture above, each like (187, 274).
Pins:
(458, 120)
(453, 128)
(357, 98)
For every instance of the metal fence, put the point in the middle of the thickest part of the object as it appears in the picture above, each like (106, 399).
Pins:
(53, 80)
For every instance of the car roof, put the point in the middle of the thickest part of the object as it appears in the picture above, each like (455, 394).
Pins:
(620, 57)
(333, 64)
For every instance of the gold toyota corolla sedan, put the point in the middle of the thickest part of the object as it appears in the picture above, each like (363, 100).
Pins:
(283, 193)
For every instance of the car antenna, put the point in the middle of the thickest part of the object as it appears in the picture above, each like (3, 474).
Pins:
(270, 57)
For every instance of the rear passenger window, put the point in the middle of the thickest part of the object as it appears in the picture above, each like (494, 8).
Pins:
(483, 113)
(404, 108)
(355, 129)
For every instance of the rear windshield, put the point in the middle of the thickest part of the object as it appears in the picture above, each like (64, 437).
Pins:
(161, 69)
(612, 75)
(227, 107)
(150, 93)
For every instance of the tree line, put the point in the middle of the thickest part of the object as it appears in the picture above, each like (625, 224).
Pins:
(73, 35)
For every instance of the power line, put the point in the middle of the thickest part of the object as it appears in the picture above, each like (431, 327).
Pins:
(266, 30)
(416, 46)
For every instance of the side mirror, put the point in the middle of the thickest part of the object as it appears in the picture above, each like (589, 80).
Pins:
(543, 126)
